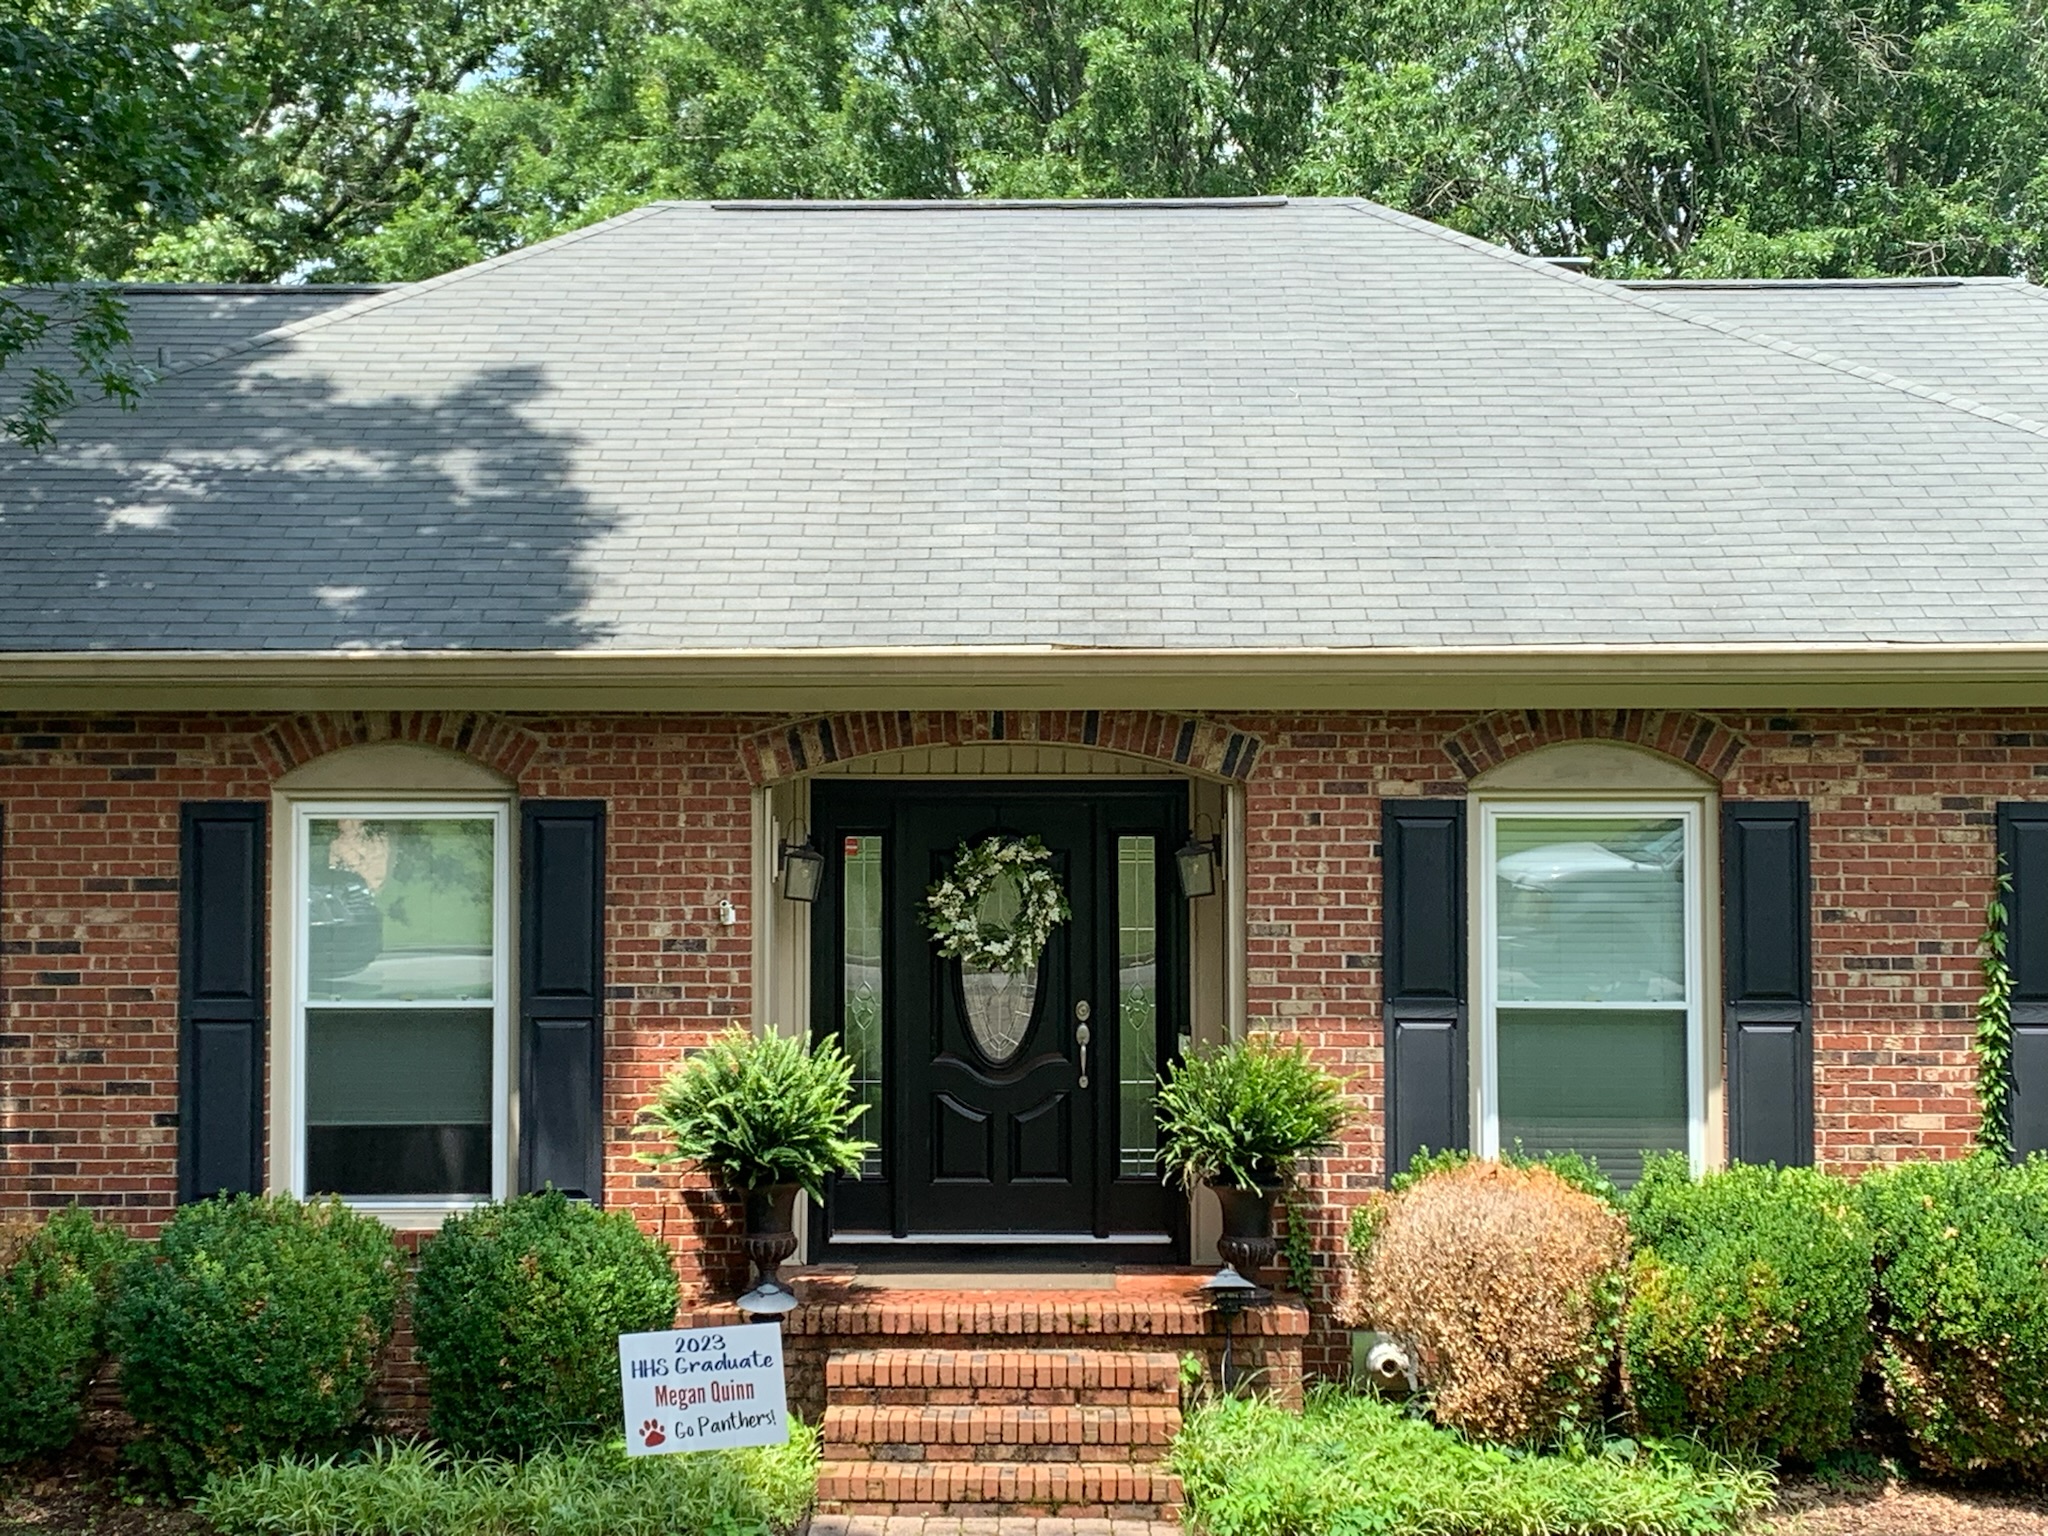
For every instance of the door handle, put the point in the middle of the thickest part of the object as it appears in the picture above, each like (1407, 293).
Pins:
(1082, 1037)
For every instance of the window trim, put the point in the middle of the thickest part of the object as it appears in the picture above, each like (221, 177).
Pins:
(1701, 1106)
(397, 1210)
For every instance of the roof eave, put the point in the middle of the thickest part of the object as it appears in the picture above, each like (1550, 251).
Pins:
(770, 681)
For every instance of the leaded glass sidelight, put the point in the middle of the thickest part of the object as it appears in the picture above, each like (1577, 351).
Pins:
(860, 987)
(1592, 985)
(1137, 993)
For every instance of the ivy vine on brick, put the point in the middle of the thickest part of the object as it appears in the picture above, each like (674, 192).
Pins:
(1993, 1045)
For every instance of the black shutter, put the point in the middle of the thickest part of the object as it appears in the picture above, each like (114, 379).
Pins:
(1768, 981)
(220, 998)
(2023, 854)
(561, 997)
(1423, 970)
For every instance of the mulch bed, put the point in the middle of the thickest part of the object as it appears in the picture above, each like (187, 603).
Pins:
(73, 1500)
(1808, 1508)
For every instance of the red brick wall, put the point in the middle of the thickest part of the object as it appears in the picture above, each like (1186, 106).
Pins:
(1901, 817)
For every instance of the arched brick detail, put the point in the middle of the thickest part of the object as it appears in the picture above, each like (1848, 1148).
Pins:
(491, 740)
(1178, 741)
(1700, 740)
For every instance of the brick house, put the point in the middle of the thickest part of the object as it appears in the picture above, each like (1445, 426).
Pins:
(1600, 708)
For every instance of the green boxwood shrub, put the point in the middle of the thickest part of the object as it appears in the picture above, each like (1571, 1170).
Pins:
(1962, 1310)
(55, 1282)
(517, 1315)
(252, 1327)
(1748, 1321)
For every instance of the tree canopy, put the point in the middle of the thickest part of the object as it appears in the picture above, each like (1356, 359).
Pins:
(393, 139)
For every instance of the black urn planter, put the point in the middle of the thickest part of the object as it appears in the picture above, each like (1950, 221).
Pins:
(770, 1233)
(1247, 1244)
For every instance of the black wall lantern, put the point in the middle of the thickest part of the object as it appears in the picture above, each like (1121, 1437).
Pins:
(803, 871)
(1199, 862)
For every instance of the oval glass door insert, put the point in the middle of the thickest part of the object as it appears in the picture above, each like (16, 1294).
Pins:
(999, 1004)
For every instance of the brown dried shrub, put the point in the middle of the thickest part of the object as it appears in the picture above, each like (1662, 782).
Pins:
(1506, 1282)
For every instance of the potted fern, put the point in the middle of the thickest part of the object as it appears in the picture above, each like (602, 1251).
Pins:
(1237, 1118)
(764, 1117)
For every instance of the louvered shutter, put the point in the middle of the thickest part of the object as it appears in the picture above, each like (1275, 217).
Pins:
(1767, 981)
(561, 997)
(2023, 853)
(1423, 970)
(220, 998)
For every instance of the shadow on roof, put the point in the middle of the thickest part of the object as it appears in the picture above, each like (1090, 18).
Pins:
(284, 514)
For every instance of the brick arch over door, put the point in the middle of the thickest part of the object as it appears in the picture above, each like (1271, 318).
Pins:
(489, 739)
(1700, 740)
(1184, 742)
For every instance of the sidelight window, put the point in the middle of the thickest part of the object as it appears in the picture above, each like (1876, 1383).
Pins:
(1591, 1026)
(860, 987)
(401, 1008)
(1137, 993)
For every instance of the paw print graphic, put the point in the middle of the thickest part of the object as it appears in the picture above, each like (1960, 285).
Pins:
(651, 1435)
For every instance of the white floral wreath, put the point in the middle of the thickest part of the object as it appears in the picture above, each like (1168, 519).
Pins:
(953, 906)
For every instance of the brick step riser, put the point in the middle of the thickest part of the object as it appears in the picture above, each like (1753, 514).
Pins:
(1005, 1455)
(1000, 1426)
(952, 1366)
(1079, 1492)
(1000, 1397)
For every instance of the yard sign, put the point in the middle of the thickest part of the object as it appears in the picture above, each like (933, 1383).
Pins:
(703, 1389)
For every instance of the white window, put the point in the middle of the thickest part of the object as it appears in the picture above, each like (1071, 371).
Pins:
(1591, 1022)
(400, 1001)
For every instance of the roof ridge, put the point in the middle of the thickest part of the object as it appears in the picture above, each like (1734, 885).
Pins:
(1625, 295)
(399, 293)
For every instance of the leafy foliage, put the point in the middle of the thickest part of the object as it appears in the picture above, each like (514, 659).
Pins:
(757, 1110)
(1748, 1320)
(1962, 1310)
(55, 1282)
(517, 1311)
(1992, 1044)
(1507, 1283)
(1242, 1113)
(413, 1490)
(252, 1328)
(1774, 139)
(110, 124)
(1581, 1172)
(1356, 1464)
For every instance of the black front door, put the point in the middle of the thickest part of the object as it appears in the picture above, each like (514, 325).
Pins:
(1010, 1113)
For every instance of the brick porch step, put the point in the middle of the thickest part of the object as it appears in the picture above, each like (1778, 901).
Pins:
(1000, 1433)
(1081, 1490)
(1039, 1377)
(998, 1429)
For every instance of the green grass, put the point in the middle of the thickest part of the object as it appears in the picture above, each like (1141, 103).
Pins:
(1356, 1466)
(581, 1490)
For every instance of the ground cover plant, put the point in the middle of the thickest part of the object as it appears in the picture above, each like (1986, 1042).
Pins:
(516, 1310)
(252, 1328)
(1506, 1283)
(1962, 1311)
(1356, 1466)
(1748, 1319)
(56, 1278)
(575, 1490)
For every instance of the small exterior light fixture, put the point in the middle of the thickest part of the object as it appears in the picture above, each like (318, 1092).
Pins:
(771, 1298)
(803, 871)
(1197, 862)
(1229, 1293)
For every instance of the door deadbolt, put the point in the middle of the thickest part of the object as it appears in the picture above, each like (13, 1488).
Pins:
(1082, 1011)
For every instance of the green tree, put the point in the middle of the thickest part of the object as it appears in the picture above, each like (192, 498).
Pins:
(1708, 137)
(109, 126)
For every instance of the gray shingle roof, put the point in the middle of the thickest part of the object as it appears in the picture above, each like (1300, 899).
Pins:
(1982, 337)
(1300, 424)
